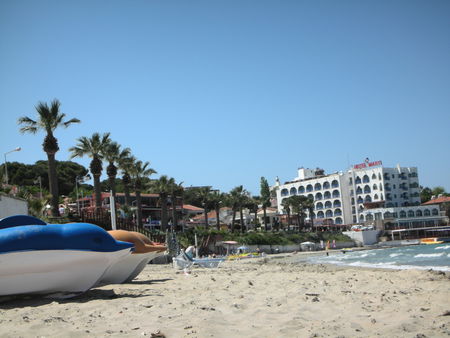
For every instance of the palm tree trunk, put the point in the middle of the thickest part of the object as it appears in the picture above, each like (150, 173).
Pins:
(174, 211)
(126, 190)
(98, 198)
(139, 208)
(265, 219)
(112, 186)
(53, 184)
(232, 220)
(218, 218)
(206, 218)
(242, 219)
(163, 212)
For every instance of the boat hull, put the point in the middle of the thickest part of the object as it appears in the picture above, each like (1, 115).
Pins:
(127, 268)
(50, 271)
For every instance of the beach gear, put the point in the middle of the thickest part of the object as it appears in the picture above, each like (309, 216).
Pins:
(48, 258)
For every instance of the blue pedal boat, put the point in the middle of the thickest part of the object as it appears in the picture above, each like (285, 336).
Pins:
(36, 257)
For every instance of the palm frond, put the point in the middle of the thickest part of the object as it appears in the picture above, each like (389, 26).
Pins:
(68, 123)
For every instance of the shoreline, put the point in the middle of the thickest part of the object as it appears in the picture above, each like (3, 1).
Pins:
(262, 297)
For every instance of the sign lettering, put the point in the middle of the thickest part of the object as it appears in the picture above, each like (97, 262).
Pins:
(367, 164)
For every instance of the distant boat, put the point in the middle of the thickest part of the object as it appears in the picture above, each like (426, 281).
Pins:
(431, 240)
(48, 258)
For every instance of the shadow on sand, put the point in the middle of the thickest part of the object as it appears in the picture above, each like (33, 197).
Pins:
(18, 301)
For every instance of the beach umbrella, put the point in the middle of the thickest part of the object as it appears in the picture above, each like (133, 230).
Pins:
(228, 244)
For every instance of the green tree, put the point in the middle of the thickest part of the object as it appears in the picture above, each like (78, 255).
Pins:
(94, 148)
(237, 198)
(140, 171)
(265, 199)
(252, 205)
(113, 154)
(286, 204)
(299, 204)
(205, 198)
(126, 164)
(217, 199)
(48, 120)
(163, 187)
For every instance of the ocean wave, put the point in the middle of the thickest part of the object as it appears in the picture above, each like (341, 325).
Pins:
(390, 265)
(429, 255)
(396, 254)
(445, 247)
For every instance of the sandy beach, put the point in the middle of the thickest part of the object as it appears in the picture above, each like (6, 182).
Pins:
(268, 297)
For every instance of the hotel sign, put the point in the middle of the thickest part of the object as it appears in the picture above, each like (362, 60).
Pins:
(367, 164)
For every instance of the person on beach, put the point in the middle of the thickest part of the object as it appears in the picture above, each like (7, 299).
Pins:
(190, 251)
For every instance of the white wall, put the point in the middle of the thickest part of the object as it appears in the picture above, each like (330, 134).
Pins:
(366, 237)
(10, 206)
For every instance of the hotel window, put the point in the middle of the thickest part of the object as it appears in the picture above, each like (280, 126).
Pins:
(374, 187)
(326, 185)
(435, 212)
(374, 177)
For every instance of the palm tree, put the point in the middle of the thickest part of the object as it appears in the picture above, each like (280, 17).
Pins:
(175, 191)
(252, 205)
(49, 119)
(139, 172)
(113, 154)
(126, 164)
(238, 197)
(205, 197)
(286, 204)
(163, 187)
(296, 202)
(94, 148)
(265, 199)
(217, 199)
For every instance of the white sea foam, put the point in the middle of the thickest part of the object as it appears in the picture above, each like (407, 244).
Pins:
(390, 265)
(445, 247)
(429, 255)
(395, 254)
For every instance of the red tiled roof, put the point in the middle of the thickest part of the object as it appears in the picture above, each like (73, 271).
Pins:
(191, 207)
(438, 200)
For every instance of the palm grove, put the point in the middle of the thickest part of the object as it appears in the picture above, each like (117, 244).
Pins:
(135, 176)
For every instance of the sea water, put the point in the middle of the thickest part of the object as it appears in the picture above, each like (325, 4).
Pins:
(424, 257)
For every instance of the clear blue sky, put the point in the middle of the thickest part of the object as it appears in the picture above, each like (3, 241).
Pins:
(223, 92)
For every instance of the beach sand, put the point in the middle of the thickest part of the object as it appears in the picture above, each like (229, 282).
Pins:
(249, 298)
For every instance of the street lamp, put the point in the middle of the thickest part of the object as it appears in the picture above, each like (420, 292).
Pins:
(6, 166)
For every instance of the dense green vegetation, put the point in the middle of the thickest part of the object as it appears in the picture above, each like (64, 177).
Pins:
(259, 238)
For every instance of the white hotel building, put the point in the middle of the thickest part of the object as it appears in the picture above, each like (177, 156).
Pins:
(340, 197)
